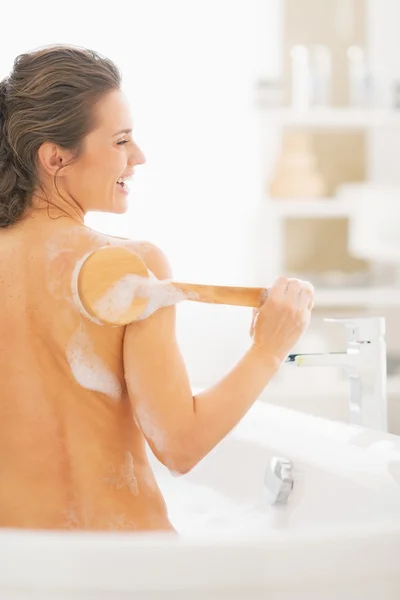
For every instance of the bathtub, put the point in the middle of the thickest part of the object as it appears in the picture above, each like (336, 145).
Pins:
(336, 538)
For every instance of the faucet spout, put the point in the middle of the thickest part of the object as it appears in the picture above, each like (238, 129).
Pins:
(329, 359)
(365, 366)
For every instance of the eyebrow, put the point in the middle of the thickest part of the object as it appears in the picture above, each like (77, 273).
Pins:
(123, 131)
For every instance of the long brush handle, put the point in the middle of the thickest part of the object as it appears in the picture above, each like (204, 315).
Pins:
(220, 294)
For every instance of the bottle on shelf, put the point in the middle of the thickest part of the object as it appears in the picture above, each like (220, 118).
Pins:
(296, 173)
(311, 75)
(360, 79)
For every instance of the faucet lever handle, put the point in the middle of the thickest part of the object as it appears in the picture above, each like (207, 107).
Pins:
(362, 330)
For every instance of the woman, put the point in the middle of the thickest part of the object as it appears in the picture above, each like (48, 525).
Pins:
(78, 400)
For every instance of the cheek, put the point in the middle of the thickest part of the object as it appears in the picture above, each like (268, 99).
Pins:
(98, 172)
(109, 167)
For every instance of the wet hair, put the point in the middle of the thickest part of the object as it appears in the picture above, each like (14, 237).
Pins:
(49, 96)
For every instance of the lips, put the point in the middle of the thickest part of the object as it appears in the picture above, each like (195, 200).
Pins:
(121, 181)
(122, 187)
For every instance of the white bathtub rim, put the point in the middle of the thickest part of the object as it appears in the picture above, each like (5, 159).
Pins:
(163, 561)
(362, 455)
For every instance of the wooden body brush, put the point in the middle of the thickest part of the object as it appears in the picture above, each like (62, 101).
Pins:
(113, 286)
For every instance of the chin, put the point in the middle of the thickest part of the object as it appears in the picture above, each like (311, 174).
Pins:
(119, 208)
(119, 204)
(116, 207)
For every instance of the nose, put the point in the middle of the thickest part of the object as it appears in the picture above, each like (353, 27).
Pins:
(138, 158)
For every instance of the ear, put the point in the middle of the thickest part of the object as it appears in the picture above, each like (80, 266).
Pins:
(51, 157)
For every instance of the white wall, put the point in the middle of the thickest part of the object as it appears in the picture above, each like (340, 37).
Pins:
(189, 67)
(384, 54)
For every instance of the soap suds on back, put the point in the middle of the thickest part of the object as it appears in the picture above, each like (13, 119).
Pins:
(68, 240)
(60, 250)
(124, 475)
(71, 520)
(88, 369)
(120, 522)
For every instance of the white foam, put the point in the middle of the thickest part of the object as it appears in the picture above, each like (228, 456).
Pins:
(124, 475)
(88, 369)
(159, 293)
(119, 521)
(117, 300)
(67, 240)
(128, 474)
(196, 508)
(71, 520)
(150, 431)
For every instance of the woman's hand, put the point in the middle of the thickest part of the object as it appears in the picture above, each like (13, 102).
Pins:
(282, 319)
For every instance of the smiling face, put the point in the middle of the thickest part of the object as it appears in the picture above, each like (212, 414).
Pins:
(95, 181)
(109, 156)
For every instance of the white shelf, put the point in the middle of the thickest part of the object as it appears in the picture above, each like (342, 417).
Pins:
(342, 118)
(318, 208)
(360, 297)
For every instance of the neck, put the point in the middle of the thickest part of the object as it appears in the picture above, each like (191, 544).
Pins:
(56, 207)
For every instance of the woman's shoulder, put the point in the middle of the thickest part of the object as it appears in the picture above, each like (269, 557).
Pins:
(79, 240)
(151, 254)
(153, 257)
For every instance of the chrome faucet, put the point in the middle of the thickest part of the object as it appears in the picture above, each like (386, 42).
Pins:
(365, 364)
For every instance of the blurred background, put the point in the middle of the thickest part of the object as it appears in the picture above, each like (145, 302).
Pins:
(272, 135)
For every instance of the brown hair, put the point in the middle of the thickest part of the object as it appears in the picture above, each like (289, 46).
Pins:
(48, 97)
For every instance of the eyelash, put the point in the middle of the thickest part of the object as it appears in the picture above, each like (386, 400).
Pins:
(122, 142)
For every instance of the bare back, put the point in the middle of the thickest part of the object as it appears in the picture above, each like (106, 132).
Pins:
(71, 455)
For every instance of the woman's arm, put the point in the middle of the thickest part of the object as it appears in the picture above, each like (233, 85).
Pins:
(179, 427)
